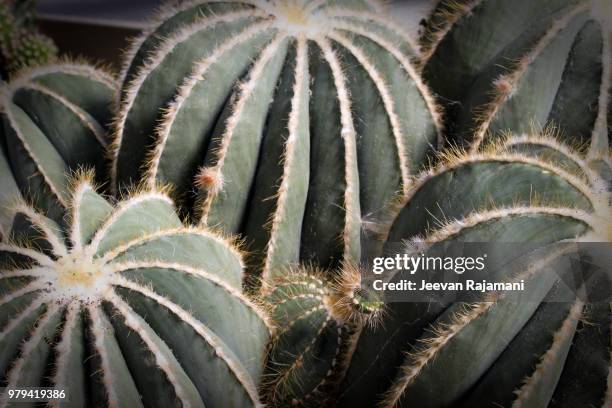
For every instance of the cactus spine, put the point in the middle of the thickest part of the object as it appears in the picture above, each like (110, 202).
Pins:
(547, 62)
(54, 122)
(280, 112)
(158, 305)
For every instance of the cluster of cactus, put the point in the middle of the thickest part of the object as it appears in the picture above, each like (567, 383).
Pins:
(21, 43)
(303, 127)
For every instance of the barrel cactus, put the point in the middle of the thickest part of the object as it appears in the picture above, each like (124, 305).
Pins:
(127, 307)
(317, 323)
(547, 62)
(509, 349)
(293, 123)
(55, 121)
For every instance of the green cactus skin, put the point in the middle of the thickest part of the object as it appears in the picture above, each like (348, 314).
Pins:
(55, 121)
(158, 306)
(317, 323)
(9, 191)
(503, 350)
(546, 62)
(281, 112)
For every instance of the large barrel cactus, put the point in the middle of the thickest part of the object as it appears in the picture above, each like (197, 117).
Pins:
(55, 121)
(510, 348)
(127, 307)
(503, 65)
(293, 123)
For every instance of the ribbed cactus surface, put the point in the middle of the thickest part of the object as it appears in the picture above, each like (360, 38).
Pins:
(293, 123)
(55, 121)
(127, 307)
(514, 348)
(502, 66)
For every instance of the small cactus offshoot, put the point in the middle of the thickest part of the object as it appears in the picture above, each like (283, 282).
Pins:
(317, 324)
(21, 43)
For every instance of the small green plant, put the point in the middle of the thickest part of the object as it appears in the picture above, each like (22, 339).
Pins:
(21, 43)
(317, 324)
